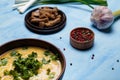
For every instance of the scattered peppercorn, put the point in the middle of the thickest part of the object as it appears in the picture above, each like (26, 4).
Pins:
(64, 49)
(70, 64)
(112, 68)
(60, 37)
(117, 60)
(92, 56)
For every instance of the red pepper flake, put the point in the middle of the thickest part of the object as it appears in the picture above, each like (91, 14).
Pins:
(82, 34)
(92, 56)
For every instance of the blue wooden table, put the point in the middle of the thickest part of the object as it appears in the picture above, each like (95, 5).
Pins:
(106, 49)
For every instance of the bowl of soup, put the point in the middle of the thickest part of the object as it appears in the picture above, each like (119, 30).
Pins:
(31, 59)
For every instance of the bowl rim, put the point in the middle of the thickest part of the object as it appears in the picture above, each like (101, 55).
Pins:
(53, 29)
(63, 57)
(83, 41)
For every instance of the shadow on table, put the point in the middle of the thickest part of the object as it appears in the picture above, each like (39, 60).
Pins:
(108, 30)
(84, 50)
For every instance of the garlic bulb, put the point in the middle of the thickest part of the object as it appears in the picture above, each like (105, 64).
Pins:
(102, 17)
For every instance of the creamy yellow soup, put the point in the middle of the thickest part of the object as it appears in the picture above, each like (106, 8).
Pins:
(49, 69)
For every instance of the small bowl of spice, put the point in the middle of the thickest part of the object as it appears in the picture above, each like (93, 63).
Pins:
(82, 38)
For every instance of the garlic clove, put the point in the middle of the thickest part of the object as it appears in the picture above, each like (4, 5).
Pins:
(102, 17)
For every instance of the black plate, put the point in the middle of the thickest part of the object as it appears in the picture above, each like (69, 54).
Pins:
(45, 30)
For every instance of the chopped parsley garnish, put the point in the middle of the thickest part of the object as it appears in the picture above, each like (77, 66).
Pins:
(47, 53)
(33, 55)
(48, 71)
(6, 72)
(3, 61)
(25, 48)
(15, 53)
(25, 67)
(54, 57)
(51, 75)
(15, 74)
(44, 61)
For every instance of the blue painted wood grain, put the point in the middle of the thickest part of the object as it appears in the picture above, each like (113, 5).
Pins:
(106, 46)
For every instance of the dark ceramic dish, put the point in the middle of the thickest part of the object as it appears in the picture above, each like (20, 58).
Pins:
(38, 43)
(45, 30)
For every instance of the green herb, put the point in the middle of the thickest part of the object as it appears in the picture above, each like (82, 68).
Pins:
(48, 71)
(25, 48)
(29, 74)
(33, 55)
(15, 74)
(25, 67)
(15, 53)
(54, 57)
(6, 72)
(86, 2)
(51, 75)
(34, 2)
(44, 61)
(46, 53)
(3, 61)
